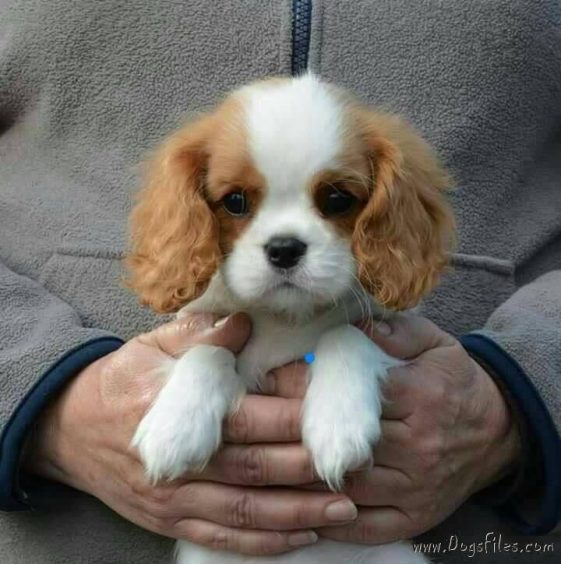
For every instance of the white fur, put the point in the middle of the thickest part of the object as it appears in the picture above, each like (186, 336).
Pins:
(183, 428)
(343, 405)
(295, 130)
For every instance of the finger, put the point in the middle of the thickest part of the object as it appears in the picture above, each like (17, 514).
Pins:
(263, 419)
(260, 465)
(373, 526)
(176, 337)
(379, 487)
(262, 508)
(406, 336)
(400, 399)
(288, 381)
(252, 543)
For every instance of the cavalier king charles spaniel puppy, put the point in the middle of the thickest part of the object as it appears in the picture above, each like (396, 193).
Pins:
(297, 204)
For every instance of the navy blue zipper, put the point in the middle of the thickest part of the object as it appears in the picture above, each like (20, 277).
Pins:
(301, 24)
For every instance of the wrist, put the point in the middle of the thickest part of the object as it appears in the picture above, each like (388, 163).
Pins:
(48, 451)
(39, 456)
(502, 455)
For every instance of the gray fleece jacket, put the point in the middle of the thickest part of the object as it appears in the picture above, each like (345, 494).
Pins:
(87, 87)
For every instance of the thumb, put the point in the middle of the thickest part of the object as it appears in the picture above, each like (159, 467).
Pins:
(176, 337)
(406, 335)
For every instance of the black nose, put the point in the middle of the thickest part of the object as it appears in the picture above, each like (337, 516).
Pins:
(285, 252)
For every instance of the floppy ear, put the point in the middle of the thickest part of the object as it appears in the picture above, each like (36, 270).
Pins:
(405, 233)
(174, 234)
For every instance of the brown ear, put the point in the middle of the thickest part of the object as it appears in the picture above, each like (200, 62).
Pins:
(404, 235)
(174, 234)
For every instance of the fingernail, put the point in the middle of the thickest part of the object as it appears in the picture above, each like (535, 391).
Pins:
(302, 538)
(220, 322)
(383, 328)
(344, 510)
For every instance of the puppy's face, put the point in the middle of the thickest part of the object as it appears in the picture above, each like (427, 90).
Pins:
(297, 195)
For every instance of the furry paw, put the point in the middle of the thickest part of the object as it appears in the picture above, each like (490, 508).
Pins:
(169, 446)
(338, 446)
(343, 406)
(183, 428)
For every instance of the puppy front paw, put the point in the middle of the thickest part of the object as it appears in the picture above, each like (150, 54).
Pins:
(340, 445)
(169, 446)
(183, 428)
(343, 403)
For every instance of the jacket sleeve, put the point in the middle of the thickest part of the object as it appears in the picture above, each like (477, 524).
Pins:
(42, 346)
(521, 346)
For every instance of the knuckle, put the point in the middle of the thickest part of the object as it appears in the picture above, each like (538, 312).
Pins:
(242, 511)
(252, 465)
(365, 532)
(193, 323)
(454, 407)
(216, 538)
(238, 425)
(431, 453)
(229, 541)
(307, 470)
(299, 517)
(395, 389)
(139, 486)
(437, 395)
(158, 502)
(159, 525)
(359, 488)
(220, 540)
(292, 424)
(189, 496)
(272, 544)
(165, 525)
(161, 495)
(264, 545)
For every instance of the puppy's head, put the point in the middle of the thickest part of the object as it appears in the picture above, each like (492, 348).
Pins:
(294, 193)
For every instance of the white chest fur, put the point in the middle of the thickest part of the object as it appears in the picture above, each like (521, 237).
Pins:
(276, 340)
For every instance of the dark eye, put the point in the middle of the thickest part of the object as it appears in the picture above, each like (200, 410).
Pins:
(335, 201)
(235, 203)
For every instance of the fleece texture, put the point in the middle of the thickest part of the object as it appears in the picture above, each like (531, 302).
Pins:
(86, 88)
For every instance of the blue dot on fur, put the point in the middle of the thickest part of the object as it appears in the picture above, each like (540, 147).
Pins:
(309, 357)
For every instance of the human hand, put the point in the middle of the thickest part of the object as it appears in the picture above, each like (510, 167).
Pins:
(446, 434)
(83, 440)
